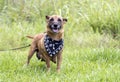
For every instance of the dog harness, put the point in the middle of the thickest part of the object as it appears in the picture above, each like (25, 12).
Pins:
(52, 46)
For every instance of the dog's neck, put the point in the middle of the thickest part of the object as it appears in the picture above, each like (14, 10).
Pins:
(56, 36)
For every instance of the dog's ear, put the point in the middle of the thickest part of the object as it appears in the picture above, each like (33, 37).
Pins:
(65, 20)
(47, 17)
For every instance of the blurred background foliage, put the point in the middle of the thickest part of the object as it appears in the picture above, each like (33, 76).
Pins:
(27, 17)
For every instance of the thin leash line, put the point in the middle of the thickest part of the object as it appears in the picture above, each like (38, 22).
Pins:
(15, 48)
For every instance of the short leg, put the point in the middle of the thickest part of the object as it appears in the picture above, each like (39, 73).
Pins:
(31, 52)
(48, 64)
(59, 60)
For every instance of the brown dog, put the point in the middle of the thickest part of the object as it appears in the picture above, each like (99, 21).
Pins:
(49, 45)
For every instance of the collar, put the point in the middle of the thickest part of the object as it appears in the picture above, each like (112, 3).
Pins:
(52, 46)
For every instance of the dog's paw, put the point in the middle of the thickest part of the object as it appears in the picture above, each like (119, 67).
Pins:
(48, 70)
(58, 70)
(25, 65)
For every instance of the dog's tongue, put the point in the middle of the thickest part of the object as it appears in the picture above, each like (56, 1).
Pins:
(55, 30)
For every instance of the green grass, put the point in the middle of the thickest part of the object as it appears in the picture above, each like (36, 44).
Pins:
(87, 56)
(80, 65)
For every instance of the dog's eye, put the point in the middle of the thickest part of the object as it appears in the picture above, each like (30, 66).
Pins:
(51, 19)
(59, 20)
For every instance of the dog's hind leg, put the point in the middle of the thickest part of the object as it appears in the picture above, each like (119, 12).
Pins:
(31, 52)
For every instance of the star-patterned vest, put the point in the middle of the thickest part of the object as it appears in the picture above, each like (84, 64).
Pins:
(52, 46)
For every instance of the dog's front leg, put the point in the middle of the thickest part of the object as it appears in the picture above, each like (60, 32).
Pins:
(59, 60)
(48, 64)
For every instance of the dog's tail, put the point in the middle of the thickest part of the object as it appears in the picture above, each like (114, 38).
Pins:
(31, 37)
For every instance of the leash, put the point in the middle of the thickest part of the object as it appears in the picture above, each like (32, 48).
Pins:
(15, 48)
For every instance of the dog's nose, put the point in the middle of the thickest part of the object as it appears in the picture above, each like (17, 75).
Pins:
(55, 25)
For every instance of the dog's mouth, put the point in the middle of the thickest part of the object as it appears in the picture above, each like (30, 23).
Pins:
(55, 28)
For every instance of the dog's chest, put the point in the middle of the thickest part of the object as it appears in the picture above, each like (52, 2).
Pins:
(52, 46)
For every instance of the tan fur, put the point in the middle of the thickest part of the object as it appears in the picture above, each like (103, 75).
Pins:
(38, 42)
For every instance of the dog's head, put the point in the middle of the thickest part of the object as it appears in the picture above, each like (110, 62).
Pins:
(55, 23)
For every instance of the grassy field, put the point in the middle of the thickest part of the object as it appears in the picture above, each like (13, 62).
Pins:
(92, 40)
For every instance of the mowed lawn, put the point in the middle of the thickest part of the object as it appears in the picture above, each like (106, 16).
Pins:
(79, 65)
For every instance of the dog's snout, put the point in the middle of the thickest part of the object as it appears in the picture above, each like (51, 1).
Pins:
(55, 25)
